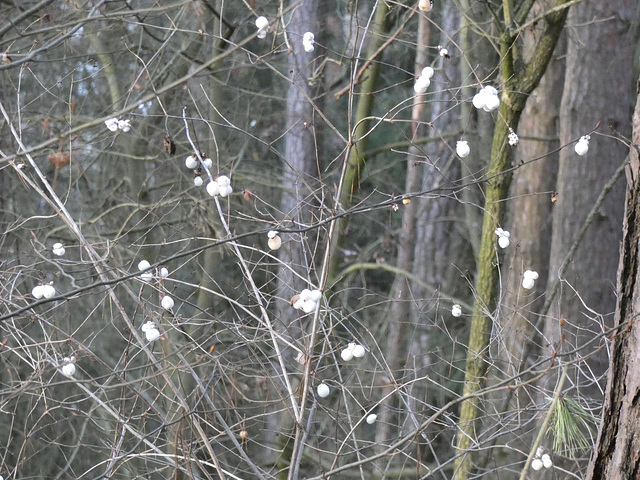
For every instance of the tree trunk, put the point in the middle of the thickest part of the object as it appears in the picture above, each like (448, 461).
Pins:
(300, 171)
(617, 452)
(586, 296)
(519, 81)
(401, 292)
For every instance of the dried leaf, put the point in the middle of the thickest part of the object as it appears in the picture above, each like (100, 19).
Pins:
(169, 146)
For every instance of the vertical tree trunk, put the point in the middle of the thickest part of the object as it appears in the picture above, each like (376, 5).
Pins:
(300, 171)
(401, 293)
(519, 81)
(596, 51)
(617, 452)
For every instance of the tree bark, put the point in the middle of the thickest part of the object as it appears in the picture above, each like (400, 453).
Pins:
(617, 451)
(586, 296)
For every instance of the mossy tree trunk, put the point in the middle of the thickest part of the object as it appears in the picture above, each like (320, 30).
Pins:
(519, 79)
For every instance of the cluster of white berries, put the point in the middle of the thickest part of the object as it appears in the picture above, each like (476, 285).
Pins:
(503, 237)
(462, 148)
(220, 186)
(308, 42)
(529, 278)
(58, 249)
(352, 350)
(275, 242)
(150, 331)
(513, 138)
(307, 300)
(541, 459)
(456, 310)
(486, 99)
(192, 163)
(115, 124)
(144, 266)
(262, 24)
(423, 81)
(68, 368)
(582, 147)
(46, 291)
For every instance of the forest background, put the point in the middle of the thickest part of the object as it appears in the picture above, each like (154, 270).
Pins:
(230, 249)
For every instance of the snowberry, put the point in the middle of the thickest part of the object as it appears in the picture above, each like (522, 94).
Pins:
(275, 242)
(425, 5)
(37, 292)
(208, 163)
(456, 310)
(163, 272)
(582, 147)
(224, 186)
(150, 331)
(462, 148)
(491, 103)
(143, 265)
(48, 291)
(479, 100)
(529, 278)
(112, 124)
(124, 125)
(503, 237)
(262, 24)
(308, 41)
(197, 181)
(315, 295)
(309, 306)
(536, 464)
(486, 99)
(371, 418)
(358, 351)
(489, 90)
(69, 368)
(427, 72)
(226, 191)
(191, 162)
(444, 52)
(323, 390)
(347, 354)
(546, 460)
(213, 189)
(513, 138)
(58, 249)
(167, 302)
(421, 85)
(152, 334)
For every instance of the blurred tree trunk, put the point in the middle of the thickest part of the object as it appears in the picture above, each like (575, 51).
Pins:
(596, 92)
(299, 185)
(617, 452)
(529, 218)
(401, 291)
(301, 168)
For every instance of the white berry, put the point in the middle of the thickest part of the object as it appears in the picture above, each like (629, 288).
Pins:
(323, 390)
